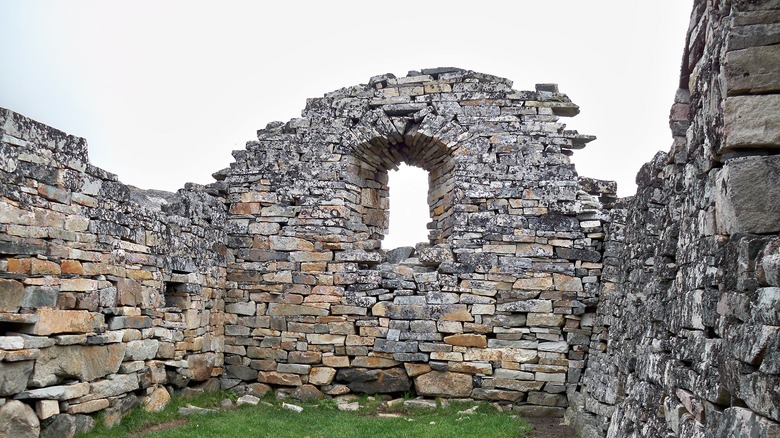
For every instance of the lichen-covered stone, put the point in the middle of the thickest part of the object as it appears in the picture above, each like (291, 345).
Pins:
(13, 377)
(375, 381)
(18, 420)
(536, 288)
(443, 384)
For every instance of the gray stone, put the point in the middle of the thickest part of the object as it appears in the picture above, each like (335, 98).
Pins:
(241, 372)
(753, 70)
(143, 349)
(85, 363)
(66, 425)
(114, 385)
(746, 197)
(400, 254)
(307, 393)
(767, 306)
(749, 122)
(60, 392)
(11, 343)
(374, 381)
(435, 255)
(39, 296)
(443, 384)
(292, 407)
(18, 420)
(349, 407)
(11, 295)
(539, 306)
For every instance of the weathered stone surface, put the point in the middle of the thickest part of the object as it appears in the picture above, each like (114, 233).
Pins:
(753, 70)
(373, 362)
(196, 410)
(88, 407)
(60, 392)
(247, 400)
(747, 190)
(40, 296)
(114, 385)
(129, 292)
(13, 377)
(541, 306)
(467, 340)
(749, 122)
(307, 393)
(496, 394)
(275, 378)
(129, 322)
(420, 404)
(141, 349)
(66, 425)
(283, 243)
(240, 372)
(443, 384)
(85, 363)
(157, 400)
(435, 255)
(739, 421)
(18, 420)
(46, 408)
(374, 381)
(11, 295)
(201, 366)
(241, 308)
(321, 375)
(52, 321)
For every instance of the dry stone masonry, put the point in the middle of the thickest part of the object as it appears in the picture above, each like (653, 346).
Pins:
(686, 337)
(490, 308)
(107, 292)
(654, 315)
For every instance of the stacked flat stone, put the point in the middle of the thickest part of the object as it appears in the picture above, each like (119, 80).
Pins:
(103, 296)
(274, 276)
(686, 341)
(489, 308)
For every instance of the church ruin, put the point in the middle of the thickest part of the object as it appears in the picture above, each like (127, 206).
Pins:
(652, 315)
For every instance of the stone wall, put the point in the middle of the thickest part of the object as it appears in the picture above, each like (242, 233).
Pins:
(496, 306)
(653, 315)
(107, 292)
(686, 336)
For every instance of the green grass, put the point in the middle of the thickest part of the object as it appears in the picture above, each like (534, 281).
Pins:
(318, 420)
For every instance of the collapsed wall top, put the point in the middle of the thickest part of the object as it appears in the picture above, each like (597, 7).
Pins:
(447, 121)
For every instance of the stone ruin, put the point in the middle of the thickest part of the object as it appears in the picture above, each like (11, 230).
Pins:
(653, 315)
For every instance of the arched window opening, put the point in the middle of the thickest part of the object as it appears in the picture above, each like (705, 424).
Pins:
(409, 209)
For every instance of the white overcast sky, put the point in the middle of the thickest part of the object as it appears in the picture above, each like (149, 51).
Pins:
(164, 90)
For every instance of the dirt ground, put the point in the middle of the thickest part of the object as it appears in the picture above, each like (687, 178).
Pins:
(545, 427)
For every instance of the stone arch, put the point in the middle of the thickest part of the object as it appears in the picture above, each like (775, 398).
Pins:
(407, 141)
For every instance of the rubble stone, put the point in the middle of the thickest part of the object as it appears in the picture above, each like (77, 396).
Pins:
(18, 420)
(443, 384)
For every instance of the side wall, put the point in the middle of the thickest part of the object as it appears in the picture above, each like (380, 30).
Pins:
(687, 331)
(107, 293)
